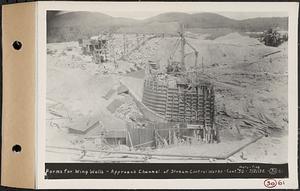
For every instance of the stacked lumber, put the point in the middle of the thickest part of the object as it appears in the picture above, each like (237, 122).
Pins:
(261, 122)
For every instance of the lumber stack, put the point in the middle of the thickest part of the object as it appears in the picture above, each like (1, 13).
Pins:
(261, 122)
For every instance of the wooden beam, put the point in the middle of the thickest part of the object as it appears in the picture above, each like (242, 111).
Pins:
(144, 154)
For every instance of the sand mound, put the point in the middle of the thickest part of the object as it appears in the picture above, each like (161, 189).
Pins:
(238, 39)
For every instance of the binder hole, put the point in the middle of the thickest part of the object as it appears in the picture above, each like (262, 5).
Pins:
(17, 45)
(16, 148)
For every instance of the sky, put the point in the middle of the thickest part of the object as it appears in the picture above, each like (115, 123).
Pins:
(247, 15)
(143, 10)
(233, 15)
(139, 15)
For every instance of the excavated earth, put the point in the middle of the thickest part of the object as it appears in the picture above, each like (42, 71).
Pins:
(251, 85)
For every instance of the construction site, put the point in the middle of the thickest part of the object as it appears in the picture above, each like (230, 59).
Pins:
(167, 97)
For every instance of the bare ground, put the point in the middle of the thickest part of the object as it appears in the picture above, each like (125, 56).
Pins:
(246, 83)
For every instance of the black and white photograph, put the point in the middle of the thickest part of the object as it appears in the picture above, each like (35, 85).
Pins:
(167, 87)
(149, 95)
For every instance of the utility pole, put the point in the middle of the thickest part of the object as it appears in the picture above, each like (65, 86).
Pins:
(182, 46)
(196, 67)
(137, 39)
(124, 44)
(202, 65)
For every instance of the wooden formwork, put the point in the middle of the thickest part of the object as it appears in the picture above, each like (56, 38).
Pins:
(191, 106)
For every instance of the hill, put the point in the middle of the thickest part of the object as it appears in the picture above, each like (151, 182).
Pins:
(198, 20)
(71, 26)
(263, 23)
